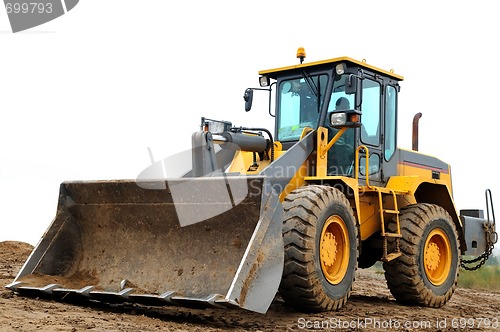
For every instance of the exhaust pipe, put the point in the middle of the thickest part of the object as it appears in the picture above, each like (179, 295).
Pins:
(416, 118)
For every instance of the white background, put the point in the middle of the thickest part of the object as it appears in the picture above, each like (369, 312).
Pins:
(84, 96)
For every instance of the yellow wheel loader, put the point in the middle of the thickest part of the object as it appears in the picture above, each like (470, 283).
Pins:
(294, 211)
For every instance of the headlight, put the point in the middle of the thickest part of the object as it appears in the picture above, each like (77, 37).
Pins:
(338, 119)
(264, 81)
(348, 118)
(339, 69)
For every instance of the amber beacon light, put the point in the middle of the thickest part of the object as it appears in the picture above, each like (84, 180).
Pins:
(301, 54)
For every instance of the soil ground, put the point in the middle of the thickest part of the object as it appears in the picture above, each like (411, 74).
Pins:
(371, 308)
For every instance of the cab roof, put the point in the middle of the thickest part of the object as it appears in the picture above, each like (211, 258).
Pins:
(274, 73)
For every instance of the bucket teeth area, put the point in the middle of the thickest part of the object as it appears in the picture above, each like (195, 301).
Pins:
(127, 295)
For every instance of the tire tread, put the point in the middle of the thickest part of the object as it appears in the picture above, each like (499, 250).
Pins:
(402, 275)
(300, 286)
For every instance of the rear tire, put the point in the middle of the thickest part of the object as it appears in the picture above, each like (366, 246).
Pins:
(427, 272)
(321, 249)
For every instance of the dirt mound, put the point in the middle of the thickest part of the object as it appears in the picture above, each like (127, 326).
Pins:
(13, 250)
(370, 308)
(12, 257)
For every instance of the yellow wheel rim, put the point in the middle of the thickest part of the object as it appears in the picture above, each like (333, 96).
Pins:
(334, 249)
(437, 257)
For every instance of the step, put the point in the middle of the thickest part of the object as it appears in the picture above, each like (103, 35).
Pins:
(392, 235)
(391, 211)
(382, 190)
(391, 256)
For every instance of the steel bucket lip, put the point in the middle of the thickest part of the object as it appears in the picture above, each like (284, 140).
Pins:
(127, 295)
(201, 178)
(156, 191)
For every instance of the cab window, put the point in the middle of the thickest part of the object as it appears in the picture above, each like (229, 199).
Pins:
(390, 122)
(300, 105)
(370, 116)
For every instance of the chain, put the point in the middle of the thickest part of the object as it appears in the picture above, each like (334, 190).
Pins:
(491, 239)
(481, 259)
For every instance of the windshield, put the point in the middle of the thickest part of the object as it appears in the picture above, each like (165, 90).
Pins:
(299, 106)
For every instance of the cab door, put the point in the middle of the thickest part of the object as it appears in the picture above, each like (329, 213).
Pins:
(370, 132)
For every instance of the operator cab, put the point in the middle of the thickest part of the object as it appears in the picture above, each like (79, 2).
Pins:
(308, 94)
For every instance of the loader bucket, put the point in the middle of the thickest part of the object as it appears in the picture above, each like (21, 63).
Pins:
(212, 241)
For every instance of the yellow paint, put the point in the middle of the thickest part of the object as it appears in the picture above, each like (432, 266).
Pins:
(334, 250)
(321, 156)
(242, 161)
(411, 177)
(323, 146)
(437, 257)
(370, 220)
(425, 175)
(296, 182)
(278, 146)
(334, 60)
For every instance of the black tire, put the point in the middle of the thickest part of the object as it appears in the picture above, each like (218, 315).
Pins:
(427, 272)
(321, 242)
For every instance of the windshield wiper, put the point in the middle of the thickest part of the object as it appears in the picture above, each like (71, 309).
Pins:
(310, 83)
(313, 87)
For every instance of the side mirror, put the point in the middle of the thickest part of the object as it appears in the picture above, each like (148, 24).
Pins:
(351, 83)
(248, 97)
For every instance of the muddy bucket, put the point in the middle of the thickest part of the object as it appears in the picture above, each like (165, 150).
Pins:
(191, 242)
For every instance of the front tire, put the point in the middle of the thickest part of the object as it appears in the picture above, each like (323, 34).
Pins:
(427, 272)
(321, 249)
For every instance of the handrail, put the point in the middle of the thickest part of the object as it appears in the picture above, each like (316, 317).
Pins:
(367, 168)
(489, 207)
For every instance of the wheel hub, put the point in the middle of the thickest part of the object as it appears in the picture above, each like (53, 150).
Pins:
(328, 249)
(437, 257)
(432, 256)
(334, 249)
